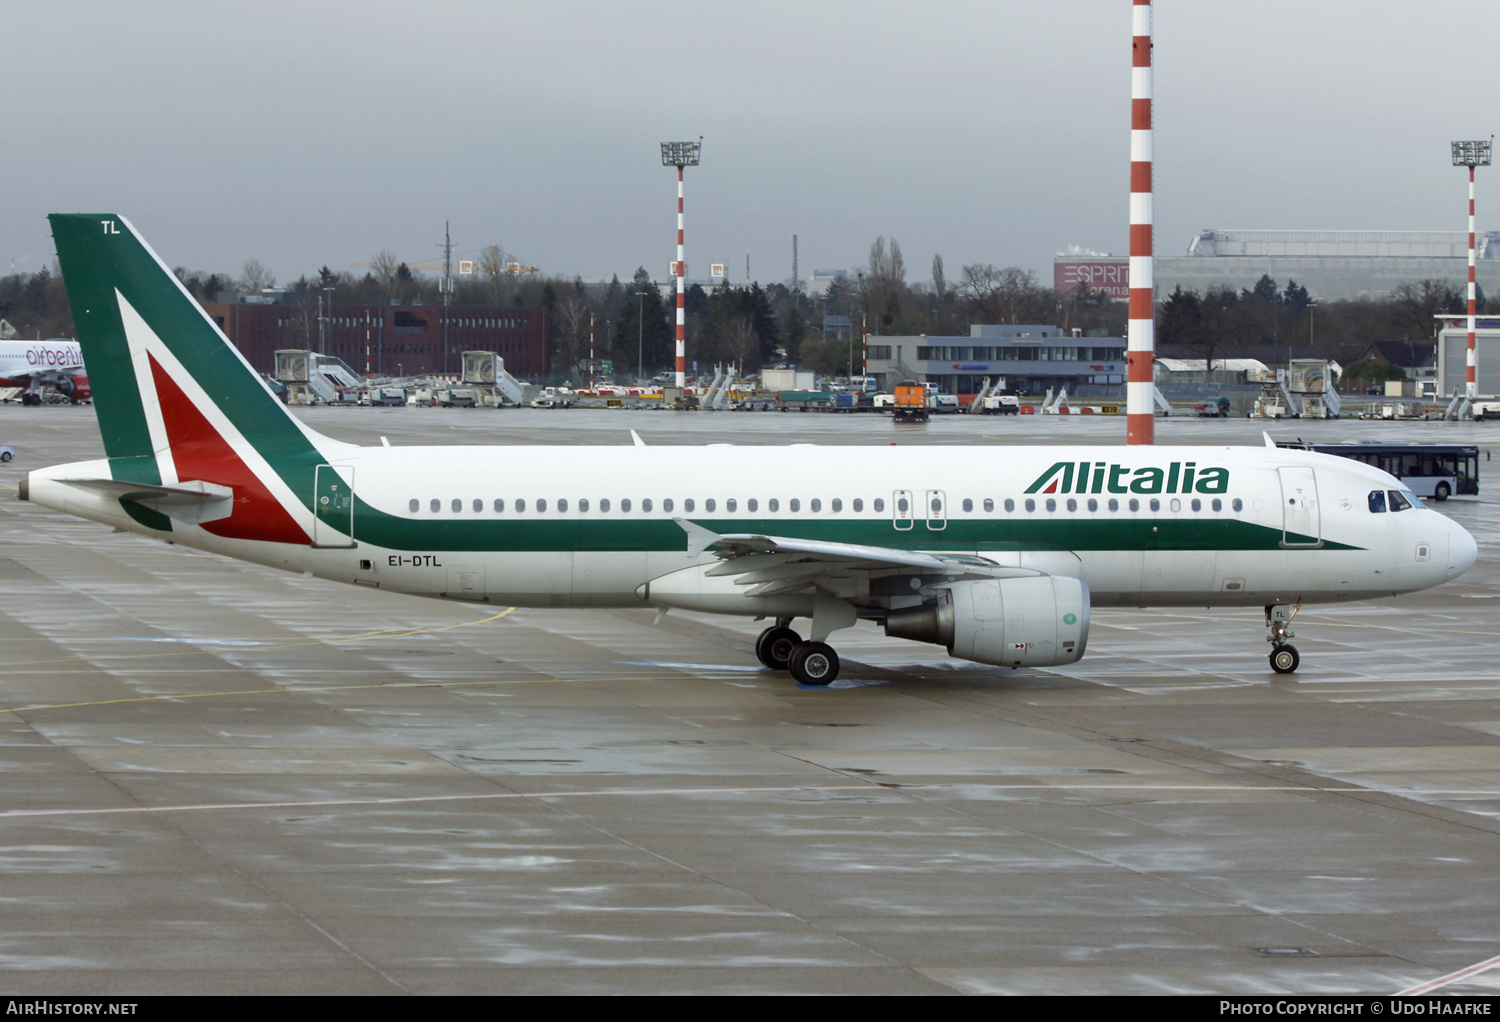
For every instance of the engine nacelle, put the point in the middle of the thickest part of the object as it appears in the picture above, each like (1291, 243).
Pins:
(1009, 622)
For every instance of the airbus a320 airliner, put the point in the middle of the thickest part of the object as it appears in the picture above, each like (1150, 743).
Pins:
(997, 553)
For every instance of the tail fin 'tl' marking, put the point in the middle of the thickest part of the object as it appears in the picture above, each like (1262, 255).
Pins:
(175, 400)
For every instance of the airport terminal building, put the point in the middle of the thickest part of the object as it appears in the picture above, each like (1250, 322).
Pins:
(1031, 357)
(1453, 356)
(1332, 265)
(401, 339)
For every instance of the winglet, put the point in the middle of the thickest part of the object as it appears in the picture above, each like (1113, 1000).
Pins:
(699, 538)
(1267, 435)
(637, 438)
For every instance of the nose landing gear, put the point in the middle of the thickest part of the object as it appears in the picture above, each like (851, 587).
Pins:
(1284, 656)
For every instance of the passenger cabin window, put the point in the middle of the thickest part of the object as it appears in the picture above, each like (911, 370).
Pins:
(731, 505)
(989, 505)
(562, 503)
(968, 505)
(1237, 504)
(521, 505)
(773, 504)
(1377, 501)
(1218, 505)
(687, 505)
(1155, 504)
(752, 504)
(1051, 504)
(478, 505)
(583, 503)
(666, 505)
(436, 505)
(1114, 505)
(838, 505)
(541, 505)
(624, 504)
(815, 504)
(794, 504)
(1010, 505)
(1072, 504)
(415, 505)
(1093, 504)
(879, 504)
(646, 504)
(1197, 504)
(859, 504)
(903, 505)
(458, 505)
(1135, 505)
(499, 506)
(604, 505)
(1030, 504)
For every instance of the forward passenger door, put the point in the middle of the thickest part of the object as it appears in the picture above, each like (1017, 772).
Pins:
(1301, 518)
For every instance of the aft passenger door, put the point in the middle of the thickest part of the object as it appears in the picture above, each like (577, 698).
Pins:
(333, 507)
(1301, 519)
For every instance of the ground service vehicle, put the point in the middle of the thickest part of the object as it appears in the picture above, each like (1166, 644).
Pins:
(909, 402)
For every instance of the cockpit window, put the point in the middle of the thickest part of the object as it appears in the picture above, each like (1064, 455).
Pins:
(1398, 500)
(1377, 501)
(1415, 500)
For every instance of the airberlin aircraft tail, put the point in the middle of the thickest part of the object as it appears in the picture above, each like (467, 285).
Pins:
(190, 430)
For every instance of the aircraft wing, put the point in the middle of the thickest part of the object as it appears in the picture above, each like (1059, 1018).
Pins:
(191, 502)
(778, 564)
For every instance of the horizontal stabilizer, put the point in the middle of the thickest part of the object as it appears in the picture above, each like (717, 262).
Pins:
(192, 502)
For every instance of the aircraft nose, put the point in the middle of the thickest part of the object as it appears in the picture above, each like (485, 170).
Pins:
(1462, 550)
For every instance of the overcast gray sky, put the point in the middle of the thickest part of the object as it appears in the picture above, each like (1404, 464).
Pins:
(304, 134)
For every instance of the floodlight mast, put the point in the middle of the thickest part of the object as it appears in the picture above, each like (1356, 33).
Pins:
(1140, 385)
(1472, 154)
(680, 155)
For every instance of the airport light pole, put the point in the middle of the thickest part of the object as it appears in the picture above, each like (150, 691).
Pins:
(640, 332)
(1471, 154)
(680, 155)
(1140, 422)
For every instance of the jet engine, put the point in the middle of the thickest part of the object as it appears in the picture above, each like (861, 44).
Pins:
(1039, 621)
(66, 387)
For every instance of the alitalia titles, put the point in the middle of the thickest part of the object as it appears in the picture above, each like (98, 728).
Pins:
(1104, 477)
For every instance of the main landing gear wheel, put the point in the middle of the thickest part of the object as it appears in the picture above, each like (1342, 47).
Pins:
(775, 645)
(1284, 659)
(814, 663)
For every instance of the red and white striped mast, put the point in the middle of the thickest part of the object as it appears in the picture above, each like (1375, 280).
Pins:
(1140, 422)
(1471, 155)
(680, 155)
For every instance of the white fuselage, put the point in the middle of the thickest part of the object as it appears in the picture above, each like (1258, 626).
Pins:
(21, 361)
(1289, 526)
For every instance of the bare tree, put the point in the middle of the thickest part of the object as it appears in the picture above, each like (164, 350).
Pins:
(384, 268)
(572, 312)
(939, 282)
(256, 276)
(738, 339)
(492, 262)
(1004, 295)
